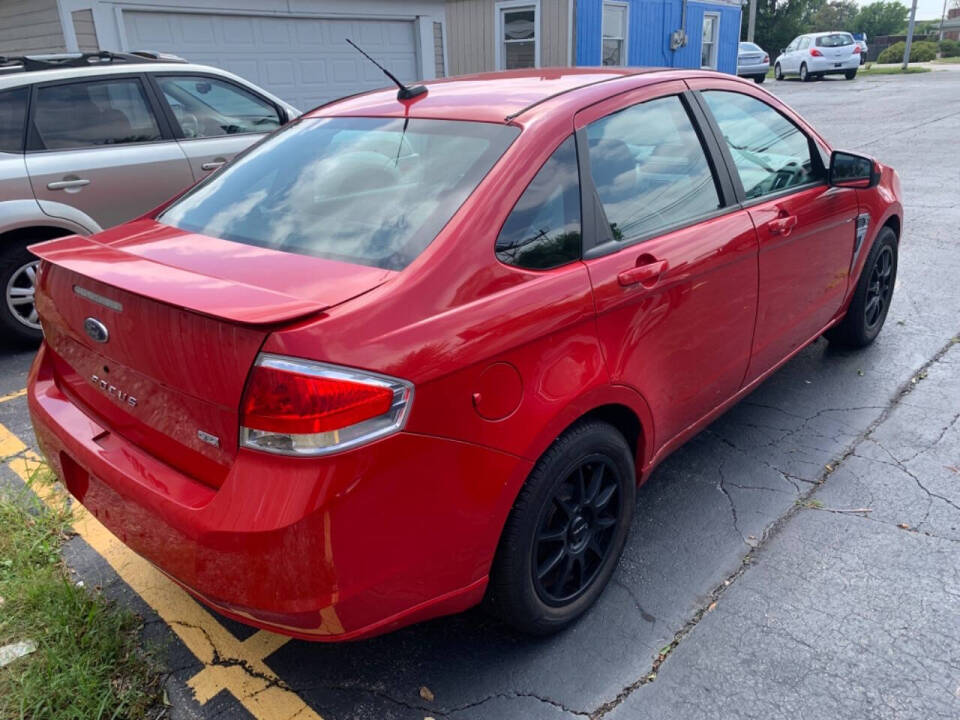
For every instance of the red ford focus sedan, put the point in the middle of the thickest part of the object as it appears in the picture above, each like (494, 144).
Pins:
(405, 355)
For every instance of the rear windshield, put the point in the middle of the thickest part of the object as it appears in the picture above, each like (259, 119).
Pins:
(749, 47)
(372, 191)
(836, 40)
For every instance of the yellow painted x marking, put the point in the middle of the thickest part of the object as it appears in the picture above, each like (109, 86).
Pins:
(237, 666)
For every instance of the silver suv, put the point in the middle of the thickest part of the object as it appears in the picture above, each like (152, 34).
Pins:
(91, 141)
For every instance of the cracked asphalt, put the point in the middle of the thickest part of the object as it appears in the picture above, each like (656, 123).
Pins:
(799, 558)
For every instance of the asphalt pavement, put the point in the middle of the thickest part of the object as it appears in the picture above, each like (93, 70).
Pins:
(799, 558)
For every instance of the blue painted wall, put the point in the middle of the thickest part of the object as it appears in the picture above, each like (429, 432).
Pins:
(650, 24)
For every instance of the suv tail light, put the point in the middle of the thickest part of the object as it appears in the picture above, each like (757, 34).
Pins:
(815, 52)
(856, 49)
(300, 407)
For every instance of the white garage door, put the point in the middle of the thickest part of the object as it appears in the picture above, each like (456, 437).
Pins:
(305, 61)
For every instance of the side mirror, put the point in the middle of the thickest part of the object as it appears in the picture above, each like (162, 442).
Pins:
(852, 171)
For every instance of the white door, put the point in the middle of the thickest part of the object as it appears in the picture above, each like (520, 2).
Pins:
(305, 61)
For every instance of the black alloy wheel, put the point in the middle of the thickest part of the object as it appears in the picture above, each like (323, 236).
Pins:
(575, 532)
(871, 297)
(879, 289)
(568, 526)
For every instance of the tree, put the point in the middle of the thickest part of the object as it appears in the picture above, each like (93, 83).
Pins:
(835, 15)
(884, 17)
(780, 21)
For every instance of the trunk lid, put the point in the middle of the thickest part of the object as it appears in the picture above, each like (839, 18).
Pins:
(185, 316)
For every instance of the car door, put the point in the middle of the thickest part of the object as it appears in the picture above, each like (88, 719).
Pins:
(673, 263)
(99, 146)
(806, 229)
(214, 118)
(790, 62)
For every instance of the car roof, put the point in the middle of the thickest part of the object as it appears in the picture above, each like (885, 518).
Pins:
(829, 32)
(500, 96)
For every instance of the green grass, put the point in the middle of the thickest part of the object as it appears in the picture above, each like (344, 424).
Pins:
(948, 61)
(88, 663)
(871, 69)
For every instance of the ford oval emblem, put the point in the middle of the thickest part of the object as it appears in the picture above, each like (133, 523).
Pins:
(96, 330)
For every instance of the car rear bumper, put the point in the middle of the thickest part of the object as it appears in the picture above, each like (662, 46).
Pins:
(332, 548)
(754, 69)
(828, 66)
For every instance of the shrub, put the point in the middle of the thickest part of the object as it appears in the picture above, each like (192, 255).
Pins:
(919, 52)
(950, 48)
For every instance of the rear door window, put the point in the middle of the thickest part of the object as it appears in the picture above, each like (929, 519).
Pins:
(208, 107)
(373, 191)
(13, 118)
(90, 114)
(543, 229)
(650, 169)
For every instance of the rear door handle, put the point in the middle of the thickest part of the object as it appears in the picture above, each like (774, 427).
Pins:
(783, 225)
(649, 274)
(213, 164)
(67, 184)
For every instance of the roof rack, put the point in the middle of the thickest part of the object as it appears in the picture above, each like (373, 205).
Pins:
(30, 63)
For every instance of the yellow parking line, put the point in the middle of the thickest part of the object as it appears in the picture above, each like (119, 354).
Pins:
(13, 395)
(230, 664)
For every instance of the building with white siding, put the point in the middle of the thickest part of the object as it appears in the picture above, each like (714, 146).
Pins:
(293, 48)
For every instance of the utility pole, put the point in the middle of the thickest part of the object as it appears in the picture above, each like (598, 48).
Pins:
(906, 50)
(752, 23)
(943, 17)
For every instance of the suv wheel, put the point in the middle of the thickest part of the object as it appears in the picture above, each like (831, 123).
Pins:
(18, 274)
(566, 531)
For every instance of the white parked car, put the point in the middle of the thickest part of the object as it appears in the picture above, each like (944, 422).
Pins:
(862, 44)
(817, 54)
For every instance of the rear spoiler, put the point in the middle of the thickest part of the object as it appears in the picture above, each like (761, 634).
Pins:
(204, 294)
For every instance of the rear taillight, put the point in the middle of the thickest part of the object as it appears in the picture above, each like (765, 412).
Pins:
(300, 407)
(856, 49)
(766, 59)
(815, 52)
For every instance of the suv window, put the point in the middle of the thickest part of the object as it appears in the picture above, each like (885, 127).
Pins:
(208, 107)
(650, 169)
(13, 118)
(101, 112)
(543, 229)
(367, 190)
(770, 152)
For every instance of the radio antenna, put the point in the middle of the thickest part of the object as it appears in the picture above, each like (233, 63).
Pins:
(404, 93)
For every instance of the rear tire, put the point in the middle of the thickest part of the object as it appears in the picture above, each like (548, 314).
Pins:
(777, 72)
(18, 318)
(850, 74)
(804, 75)
(566, 531)
(871, 298)
(758, 79)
